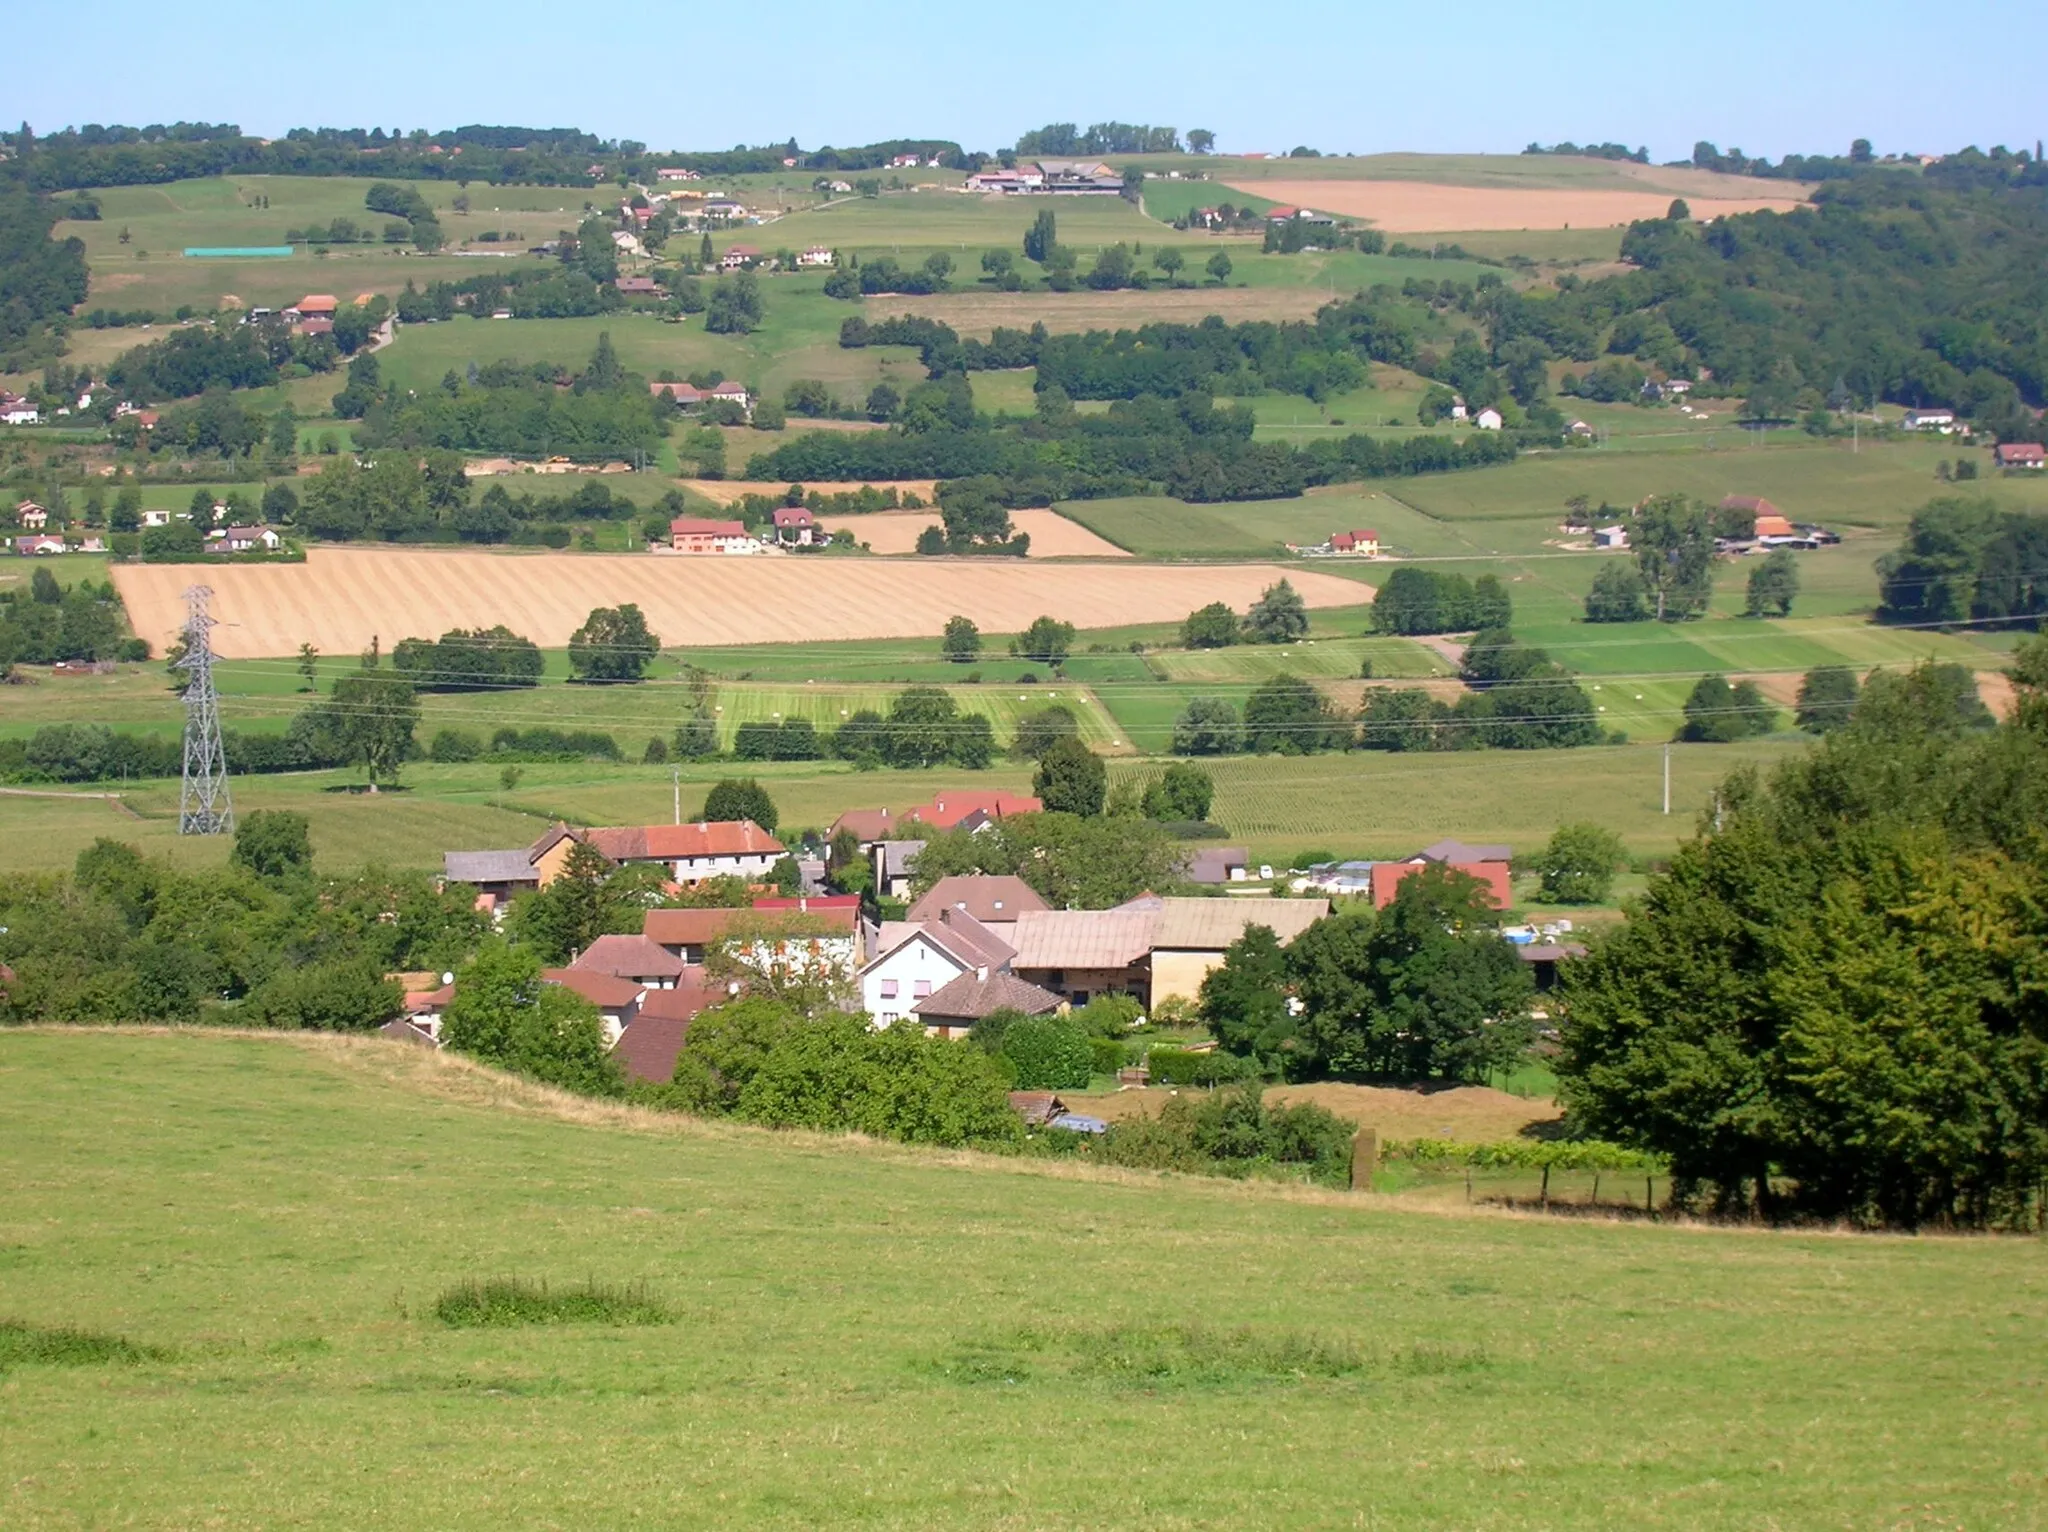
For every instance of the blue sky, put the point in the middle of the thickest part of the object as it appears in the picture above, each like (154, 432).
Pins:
(1364, 77)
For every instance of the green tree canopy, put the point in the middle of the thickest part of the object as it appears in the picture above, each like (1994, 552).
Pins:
(737, 798)
(1071, 778)
(613, 644)
(505, 1014)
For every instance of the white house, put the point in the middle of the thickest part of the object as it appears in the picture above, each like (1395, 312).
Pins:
(33, 517)
(915, 959)
(817, 255)
(1611, 537)
(156, 518)
(1488, 420)
(1938, 418)
(19, 412)
(243, 540)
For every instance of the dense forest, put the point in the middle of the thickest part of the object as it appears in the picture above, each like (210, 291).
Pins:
(40, 278)
(1916, 290)
(125, 156)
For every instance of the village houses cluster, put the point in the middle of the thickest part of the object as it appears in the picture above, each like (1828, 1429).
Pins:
(967, 947)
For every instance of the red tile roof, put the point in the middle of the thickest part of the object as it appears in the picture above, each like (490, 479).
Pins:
(866, 824)
(2021, 452)
(970, 998)
(697, 526)
(947, 809)
(668, 843)
(317, 303)
(793, 516)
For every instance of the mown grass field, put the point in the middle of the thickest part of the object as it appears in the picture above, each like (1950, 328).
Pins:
(875, 1336)
(1362, 804)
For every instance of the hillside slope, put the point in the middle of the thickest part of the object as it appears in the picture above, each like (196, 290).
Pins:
(869, 1336)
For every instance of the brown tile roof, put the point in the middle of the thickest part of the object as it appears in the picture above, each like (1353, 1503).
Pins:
(688, 928)
(648, 1047)
(629, 957)
(600, 989)
(969, 998)
(699, 526)
(985, 897)
(1037, 1107)
(866, 824)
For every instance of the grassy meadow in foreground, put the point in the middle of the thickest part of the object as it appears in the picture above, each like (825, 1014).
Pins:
(870, 1336)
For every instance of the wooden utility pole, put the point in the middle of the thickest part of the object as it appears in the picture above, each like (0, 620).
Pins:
(1365, 1158)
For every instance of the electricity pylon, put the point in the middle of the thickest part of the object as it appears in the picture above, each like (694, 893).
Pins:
(204, 805)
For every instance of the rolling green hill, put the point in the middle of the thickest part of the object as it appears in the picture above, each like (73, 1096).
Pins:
(255, 1232)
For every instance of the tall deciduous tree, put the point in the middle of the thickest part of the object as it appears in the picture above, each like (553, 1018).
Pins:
(504, 1013)
(1773, 585)
(614, 644)
(1673, 540)
(1071, 778)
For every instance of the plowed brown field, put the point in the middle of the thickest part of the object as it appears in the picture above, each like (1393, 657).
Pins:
(341, 598)
(1052, 535)
(1414, 207)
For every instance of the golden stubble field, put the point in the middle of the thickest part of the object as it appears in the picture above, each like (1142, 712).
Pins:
(1052, 535)
(339, 599)
(1415, 207)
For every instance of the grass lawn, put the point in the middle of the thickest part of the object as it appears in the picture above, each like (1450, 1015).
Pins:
(875, 1336)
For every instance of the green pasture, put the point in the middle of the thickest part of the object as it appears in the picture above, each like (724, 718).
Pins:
(1878, 486)
(798, 339)
(868, 1335)
(1362, 804)
(918, 223)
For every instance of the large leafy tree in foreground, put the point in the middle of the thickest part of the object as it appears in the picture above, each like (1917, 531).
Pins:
(1836, 1003)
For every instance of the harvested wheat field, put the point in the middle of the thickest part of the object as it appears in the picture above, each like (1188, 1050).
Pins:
(339, 599)
(1052, 535)
(1415, 207)
(1467, 1113)
(980, 313)
(732, 491)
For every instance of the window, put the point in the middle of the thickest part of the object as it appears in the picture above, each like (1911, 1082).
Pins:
(923, 987)
(888, 989)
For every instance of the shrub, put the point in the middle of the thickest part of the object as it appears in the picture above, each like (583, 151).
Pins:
(1183, 1066)
(1107, 1055)
(453, 746)
(1049, 1053)
(61, 1346)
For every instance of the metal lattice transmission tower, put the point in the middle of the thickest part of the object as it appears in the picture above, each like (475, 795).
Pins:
(204, 805)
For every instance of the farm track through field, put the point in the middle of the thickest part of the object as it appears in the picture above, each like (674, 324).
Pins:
(339, 600)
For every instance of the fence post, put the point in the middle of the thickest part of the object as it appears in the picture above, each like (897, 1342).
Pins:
(1545, 1193)
(1365, 1158)
(1596, 1189)
(1650, 1195)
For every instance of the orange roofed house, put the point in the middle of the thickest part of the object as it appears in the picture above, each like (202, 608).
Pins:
(694, 852)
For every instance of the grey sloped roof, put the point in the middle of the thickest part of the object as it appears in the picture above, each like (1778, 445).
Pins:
(488, 867)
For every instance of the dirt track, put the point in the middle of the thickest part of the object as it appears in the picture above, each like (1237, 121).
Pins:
(1415, 207)
(341, 598)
